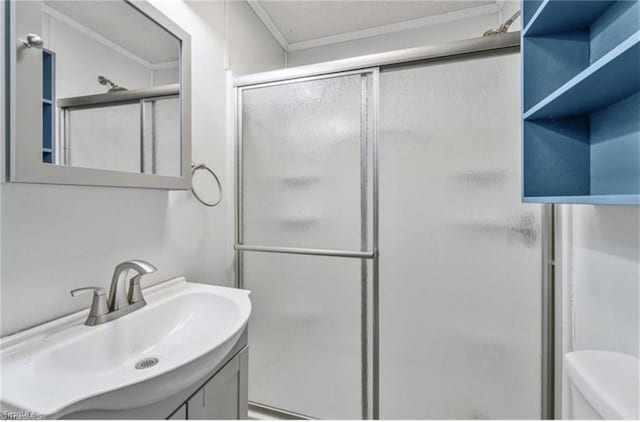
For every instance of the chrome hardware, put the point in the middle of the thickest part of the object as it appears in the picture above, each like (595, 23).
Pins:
(147, 363)
(306, 251)
(503, 28)
(99, 306)
(120, 301)
(203, 166)
(113, 87)
(33, 40)
(118, 297)
(135, 291)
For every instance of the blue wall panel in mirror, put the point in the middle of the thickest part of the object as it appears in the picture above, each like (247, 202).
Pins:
(47, 126)
(47, 75)
(48, 106)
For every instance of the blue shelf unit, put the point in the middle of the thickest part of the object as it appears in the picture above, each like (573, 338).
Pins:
(581, 101)
(48, 105)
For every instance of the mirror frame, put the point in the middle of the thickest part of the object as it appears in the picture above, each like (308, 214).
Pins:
(24, 92)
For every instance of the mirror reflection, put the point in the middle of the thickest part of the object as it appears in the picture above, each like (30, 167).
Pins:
(110, 91)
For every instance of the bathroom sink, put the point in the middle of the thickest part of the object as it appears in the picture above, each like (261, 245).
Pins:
(142, 358)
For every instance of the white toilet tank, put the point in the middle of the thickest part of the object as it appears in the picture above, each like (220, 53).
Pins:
(604, 385)
(580, 408)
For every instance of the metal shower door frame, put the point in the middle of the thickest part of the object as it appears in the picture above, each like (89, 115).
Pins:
(370, 394)
(551, 329)
(89, 102)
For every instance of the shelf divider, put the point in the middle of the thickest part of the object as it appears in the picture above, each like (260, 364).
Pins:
(613, 77)
(585, 199)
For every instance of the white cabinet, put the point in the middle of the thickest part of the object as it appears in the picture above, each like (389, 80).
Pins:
(180, 414)
(224, 396)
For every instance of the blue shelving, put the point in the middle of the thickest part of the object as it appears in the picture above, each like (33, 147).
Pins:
(583, 93)
(581, 101)
(552, 17)
(586, 199)
(48, 106)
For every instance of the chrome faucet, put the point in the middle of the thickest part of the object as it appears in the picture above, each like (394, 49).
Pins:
(118, 296)
(120, 301)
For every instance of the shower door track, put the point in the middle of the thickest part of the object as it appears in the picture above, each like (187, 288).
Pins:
(375, 63)
(405, 56)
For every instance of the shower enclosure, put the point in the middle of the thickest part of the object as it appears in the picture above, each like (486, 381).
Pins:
(133, 131)
(394, 271)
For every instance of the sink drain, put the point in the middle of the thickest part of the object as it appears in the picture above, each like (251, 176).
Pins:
(147, 363)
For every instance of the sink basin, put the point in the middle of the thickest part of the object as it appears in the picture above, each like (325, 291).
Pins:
(142, 358)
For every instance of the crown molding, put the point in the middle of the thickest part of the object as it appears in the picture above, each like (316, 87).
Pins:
(165, 65)
(269, 23)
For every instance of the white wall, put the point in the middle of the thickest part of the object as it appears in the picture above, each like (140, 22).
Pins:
(600, 276)
(55, 238)
(80, 58)
(165, 76)
(245, 28)
(605, 277)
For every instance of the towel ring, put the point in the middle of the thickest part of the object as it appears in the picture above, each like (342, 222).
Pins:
(203, 166)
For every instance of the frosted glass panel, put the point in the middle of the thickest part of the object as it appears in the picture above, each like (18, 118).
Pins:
(163, 149)
(105, 138)
(304, 333)
(301, 146)
(460, 260)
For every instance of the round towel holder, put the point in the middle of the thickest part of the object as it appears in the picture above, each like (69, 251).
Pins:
(203, 166)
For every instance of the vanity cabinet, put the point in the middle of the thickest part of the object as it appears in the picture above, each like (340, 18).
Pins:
(222, 393)
(180, 414)
(224, 396)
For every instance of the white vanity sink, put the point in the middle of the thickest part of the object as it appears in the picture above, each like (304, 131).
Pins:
(65, 366)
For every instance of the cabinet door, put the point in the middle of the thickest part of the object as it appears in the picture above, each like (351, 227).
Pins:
(223, 396)
(180, 414)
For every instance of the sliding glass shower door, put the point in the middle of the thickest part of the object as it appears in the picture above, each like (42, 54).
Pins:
(422, 302)
(460, 255)
(306, 242)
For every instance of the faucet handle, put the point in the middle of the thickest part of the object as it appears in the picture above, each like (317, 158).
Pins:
(98, 304)
(135, 291)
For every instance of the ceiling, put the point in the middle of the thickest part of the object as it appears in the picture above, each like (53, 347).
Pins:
(300, 21)
(123, 25)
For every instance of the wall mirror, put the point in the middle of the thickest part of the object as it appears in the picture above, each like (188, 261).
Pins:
(100, 94)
